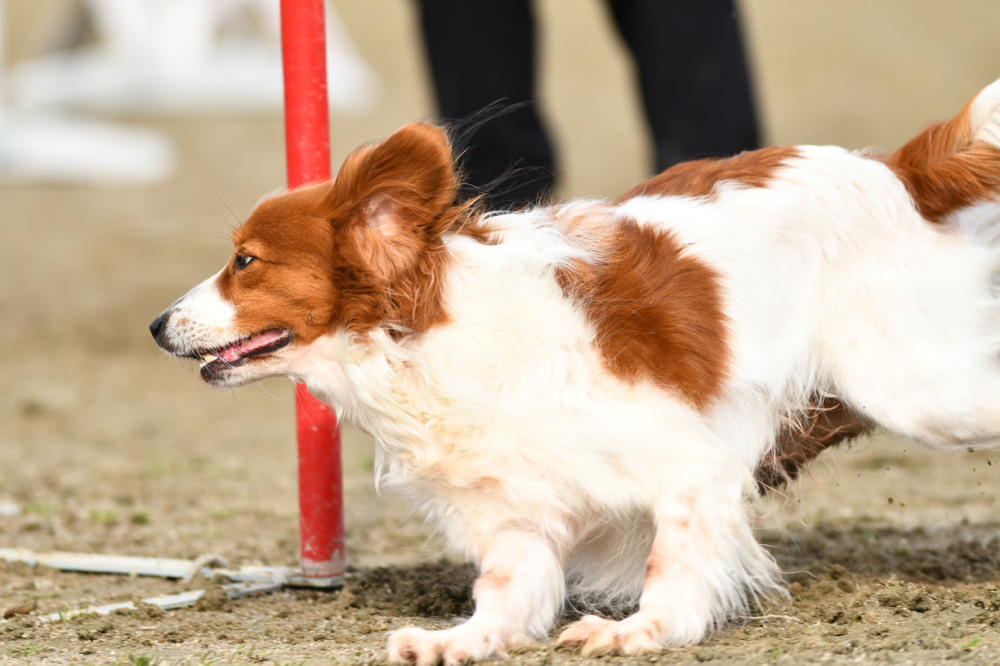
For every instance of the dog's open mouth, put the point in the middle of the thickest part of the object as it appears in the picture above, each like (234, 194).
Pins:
(217, 361)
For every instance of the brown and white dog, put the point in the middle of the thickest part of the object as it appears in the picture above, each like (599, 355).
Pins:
(583, 396)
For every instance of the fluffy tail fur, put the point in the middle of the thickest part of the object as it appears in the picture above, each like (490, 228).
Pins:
(984, 115)
(955, 165)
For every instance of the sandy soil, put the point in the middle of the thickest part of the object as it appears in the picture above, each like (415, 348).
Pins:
(107, 446)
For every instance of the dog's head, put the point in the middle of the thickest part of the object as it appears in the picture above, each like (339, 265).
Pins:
(360, 252)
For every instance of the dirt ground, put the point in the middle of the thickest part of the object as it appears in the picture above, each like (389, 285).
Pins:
(107, 446)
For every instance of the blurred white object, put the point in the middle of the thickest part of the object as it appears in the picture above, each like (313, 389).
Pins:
(10, 509)
(71, 150)
(48, 147)
(186, 56)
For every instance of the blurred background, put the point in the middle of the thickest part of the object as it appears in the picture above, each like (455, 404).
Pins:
(106, 445)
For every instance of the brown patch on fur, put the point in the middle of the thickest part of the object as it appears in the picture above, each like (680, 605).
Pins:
(652, 568)
(657, 311)
(487, 484)
(945, 170)
(361, 251)
(491, 580)
(698, 178)
(654, 564)
(826, 423)
(289, 283)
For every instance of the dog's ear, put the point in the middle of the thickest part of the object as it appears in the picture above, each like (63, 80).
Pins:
(397, 198)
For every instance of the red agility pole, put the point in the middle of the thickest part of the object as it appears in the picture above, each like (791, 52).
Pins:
(321, 500)
(307, 145)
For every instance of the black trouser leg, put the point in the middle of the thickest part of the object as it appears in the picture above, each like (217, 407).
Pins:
(693, 75)
(482, 51)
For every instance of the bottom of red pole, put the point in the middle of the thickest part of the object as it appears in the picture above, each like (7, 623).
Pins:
(321, 498)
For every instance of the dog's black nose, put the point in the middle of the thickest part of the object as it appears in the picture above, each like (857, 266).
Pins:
(157, 327)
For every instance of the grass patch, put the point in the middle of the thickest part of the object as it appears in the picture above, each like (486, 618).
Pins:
(104, 516)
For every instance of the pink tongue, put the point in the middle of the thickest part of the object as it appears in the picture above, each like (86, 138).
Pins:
(250, 345)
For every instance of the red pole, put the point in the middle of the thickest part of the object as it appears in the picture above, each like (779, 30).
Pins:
(307, 145)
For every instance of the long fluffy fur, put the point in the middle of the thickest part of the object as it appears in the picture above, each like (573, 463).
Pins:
(583, 397)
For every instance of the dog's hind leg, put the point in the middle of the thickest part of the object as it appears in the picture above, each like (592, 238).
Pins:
(912, 329)
(518, 593)
(914, 347)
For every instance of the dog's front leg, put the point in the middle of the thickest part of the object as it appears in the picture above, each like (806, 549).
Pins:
(703, 565)
(518, 593)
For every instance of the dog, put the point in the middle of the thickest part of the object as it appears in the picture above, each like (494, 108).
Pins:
(585, 396)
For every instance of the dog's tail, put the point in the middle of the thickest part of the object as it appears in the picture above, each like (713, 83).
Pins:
(954, 167)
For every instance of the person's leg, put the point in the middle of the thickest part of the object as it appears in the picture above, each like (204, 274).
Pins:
(481, 52)
(692, 70)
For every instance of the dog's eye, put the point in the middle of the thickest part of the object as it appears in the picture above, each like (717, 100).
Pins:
(242, 261)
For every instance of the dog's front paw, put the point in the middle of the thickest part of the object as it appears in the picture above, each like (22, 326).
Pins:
(461, 645)
(639, 634)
